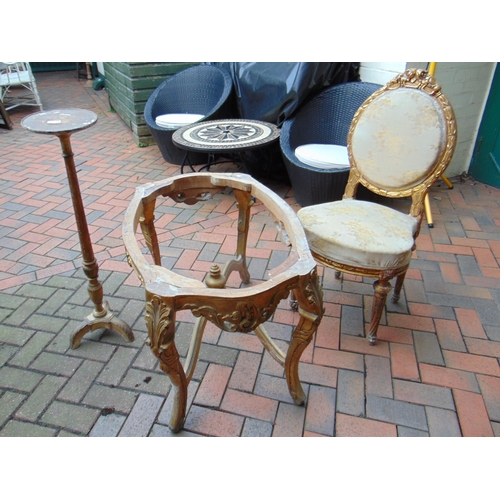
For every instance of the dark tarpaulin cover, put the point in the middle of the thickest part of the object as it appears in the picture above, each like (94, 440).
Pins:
(272, 91)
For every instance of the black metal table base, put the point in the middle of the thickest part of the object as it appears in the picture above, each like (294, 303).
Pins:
(212, 160)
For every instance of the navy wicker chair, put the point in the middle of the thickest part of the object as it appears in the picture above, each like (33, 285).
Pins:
(202, 90)
(325, 119)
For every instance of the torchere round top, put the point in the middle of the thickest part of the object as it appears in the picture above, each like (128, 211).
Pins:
(59, 121)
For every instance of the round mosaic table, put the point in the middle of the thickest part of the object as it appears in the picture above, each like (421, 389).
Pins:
(224, 136)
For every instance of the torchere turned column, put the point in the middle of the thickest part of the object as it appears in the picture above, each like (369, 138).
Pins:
(63, 123)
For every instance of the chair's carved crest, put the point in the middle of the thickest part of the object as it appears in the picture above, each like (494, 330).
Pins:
(416, 79)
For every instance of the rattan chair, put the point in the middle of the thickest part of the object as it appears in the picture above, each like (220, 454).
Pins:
(203, 90)
(325, 119)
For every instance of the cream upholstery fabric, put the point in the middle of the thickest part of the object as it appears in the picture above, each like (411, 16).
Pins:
(326, 156)
(399, 138)
(173, 121)
(359, 233)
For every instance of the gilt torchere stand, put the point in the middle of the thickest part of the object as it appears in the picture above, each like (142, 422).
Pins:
(63, 123)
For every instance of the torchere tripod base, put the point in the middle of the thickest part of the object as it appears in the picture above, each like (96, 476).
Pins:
(108, 321)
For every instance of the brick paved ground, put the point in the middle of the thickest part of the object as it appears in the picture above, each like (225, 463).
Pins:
(435, 371)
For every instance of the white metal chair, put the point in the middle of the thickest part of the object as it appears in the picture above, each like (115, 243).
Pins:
(401, 140)
(18, 74)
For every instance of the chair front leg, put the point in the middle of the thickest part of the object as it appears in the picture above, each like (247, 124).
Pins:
(381, 288)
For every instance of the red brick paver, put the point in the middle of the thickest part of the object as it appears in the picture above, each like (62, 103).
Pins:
(472, 414)
(349, 426)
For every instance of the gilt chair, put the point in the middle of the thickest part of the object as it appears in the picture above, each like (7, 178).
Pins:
(18, 74)
(199, 93)
(400, 141)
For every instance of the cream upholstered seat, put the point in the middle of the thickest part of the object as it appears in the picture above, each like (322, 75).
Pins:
(401, 139)
(360, 233)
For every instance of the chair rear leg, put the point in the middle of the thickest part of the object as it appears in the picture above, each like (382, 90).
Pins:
(381, 288)
(397, 288)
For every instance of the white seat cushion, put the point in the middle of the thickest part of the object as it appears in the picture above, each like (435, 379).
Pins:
(323, 155)
(359, 233)
(173, 121)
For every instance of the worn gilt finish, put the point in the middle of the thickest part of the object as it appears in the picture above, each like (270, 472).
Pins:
(425, 82)
(232, 310)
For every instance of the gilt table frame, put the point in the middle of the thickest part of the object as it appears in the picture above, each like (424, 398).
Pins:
(233, 310)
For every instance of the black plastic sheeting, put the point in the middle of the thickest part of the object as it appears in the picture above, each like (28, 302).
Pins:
(272, 91)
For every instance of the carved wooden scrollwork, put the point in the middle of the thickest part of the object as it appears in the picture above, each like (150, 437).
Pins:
(245, 316)
(417, 79)
(190, 199)
(158, 322)
(314, 291)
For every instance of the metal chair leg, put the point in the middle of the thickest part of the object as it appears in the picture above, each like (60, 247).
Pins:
(428, 213)
(447, 181)
(427, 206)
